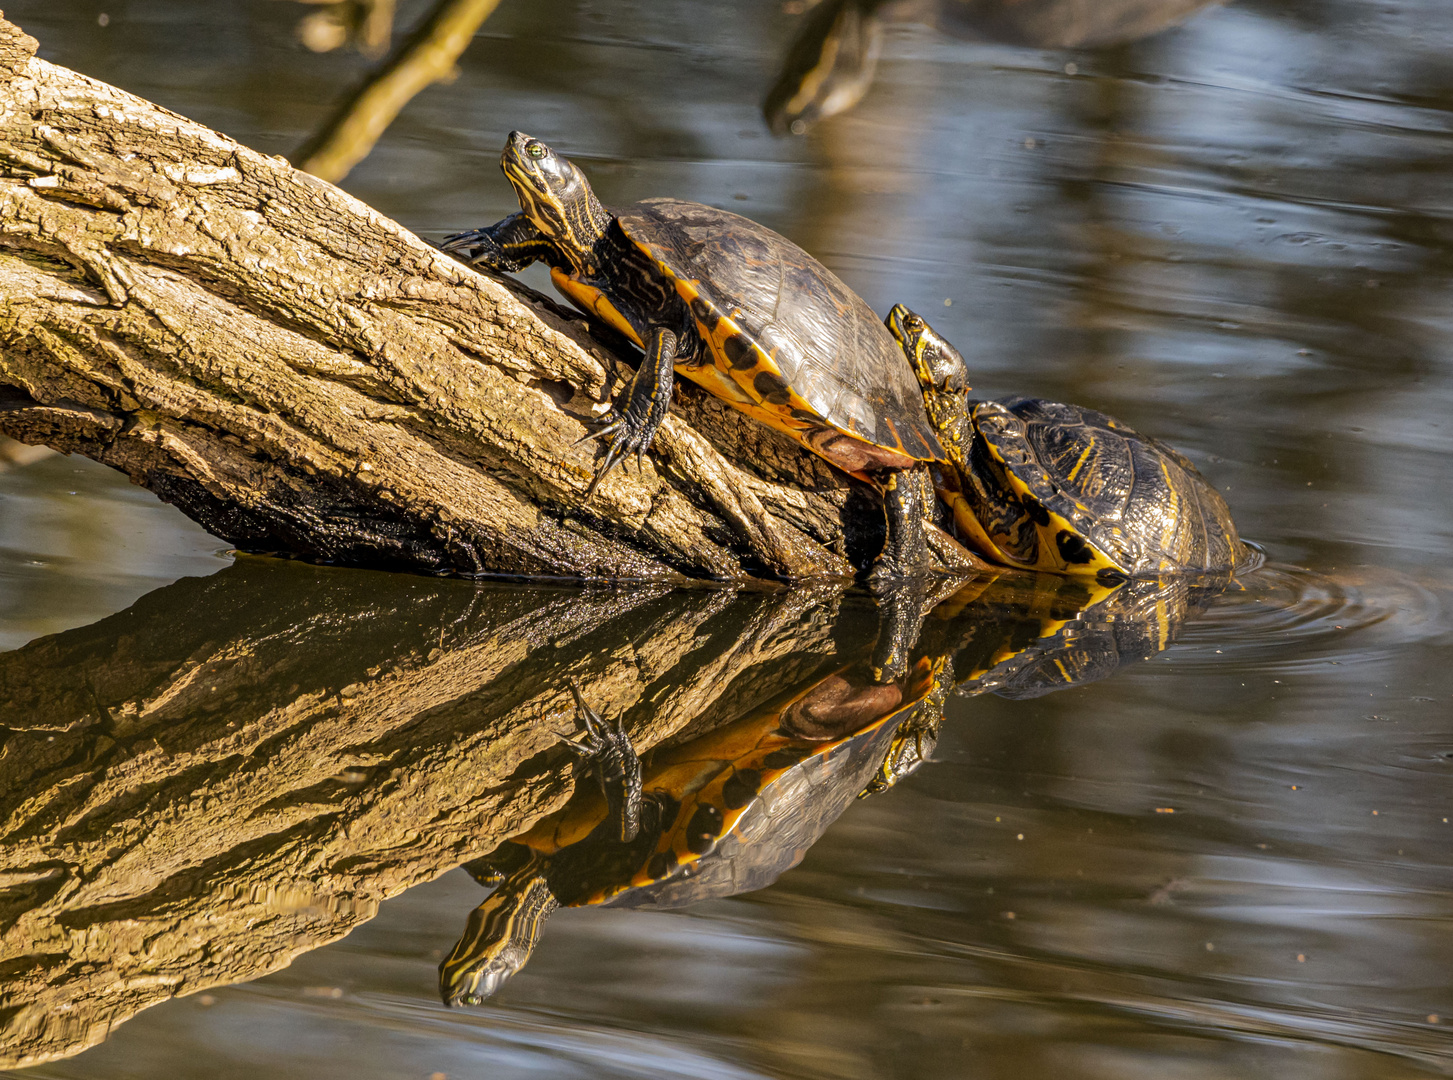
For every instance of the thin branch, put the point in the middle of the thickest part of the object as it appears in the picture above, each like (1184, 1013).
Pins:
(428, 56)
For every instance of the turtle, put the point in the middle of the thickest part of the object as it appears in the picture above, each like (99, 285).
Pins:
(1042, 485)
(724, 813)
(831, 62)
(736, 308)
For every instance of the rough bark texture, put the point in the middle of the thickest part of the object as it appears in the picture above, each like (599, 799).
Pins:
(239, 768)
(300, 374)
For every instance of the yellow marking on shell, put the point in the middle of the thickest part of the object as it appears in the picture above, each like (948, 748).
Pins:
(591, 300)
(1048, 546)
(1046, 597)
(1084, 457)
(737, 386)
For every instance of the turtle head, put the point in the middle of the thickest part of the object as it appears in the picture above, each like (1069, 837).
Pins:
(942, 374)
(498, 939)
(938, 365)
(554, 194)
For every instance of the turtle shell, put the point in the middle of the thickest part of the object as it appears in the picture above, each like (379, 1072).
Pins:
(788, 342)
(1065, 488)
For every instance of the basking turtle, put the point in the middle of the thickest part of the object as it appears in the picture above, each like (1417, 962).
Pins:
(1046, 486)
(725, 813)
(734, 307)
(830, 64)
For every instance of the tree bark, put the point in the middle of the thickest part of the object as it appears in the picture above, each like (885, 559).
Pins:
(300, 374)
(193, 801)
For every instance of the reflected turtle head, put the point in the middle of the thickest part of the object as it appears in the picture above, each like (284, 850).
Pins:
(553, 193)
(498, 939)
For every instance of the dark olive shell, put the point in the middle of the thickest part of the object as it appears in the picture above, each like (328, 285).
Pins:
(782, 820)
(826, 343)
(1126, 493)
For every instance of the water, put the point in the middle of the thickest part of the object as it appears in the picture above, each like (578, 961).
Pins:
(1230, 860)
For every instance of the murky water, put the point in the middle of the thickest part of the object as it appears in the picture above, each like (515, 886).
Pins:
(1234, 859)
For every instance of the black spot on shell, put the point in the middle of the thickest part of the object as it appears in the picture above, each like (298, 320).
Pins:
(1072, 548)
(662, 865)
(1109, 576)
(739, 351)
(786, 757)
(1035, 509)
(703, 829)
(704, 313)
(772, 387)
(741, 789)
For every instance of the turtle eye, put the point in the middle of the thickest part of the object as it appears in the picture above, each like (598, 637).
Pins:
(915, 324)
(535, 150)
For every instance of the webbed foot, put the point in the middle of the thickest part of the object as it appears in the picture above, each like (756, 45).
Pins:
(616, 765)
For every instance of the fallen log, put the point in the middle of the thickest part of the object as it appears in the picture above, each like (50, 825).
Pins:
(300, 374)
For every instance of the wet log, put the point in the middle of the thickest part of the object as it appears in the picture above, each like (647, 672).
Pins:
(298, 373)
(187, 802)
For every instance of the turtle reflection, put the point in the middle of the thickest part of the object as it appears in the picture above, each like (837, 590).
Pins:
(831, 62)
(730, 810)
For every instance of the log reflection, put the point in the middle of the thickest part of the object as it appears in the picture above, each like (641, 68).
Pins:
(239, 768)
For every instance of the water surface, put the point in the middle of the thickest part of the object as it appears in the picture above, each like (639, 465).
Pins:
(1230, 860)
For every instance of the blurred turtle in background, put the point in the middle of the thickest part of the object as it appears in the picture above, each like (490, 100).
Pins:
(730, 810)
(367, 25)
(830, 63)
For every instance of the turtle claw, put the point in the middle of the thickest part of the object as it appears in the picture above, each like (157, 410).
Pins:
(616, 765)
(626, 440)
(478, 248)
(611, 427)
(618, 426)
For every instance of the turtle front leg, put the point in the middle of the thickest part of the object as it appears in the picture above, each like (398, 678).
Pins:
(616, 765)
(647, 402)
(505, 246)
(907, 503)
